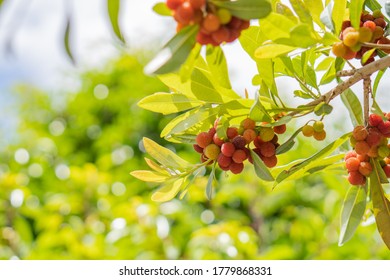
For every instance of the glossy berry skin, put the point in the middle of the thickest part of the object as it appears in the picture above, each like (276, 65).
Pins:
(232, 132)
(203, 139)
(184, 13)
(270, 161)
(249, 135)
(224, 16)
(365, 168)
(355, 178)
(370, 24)
(228, 149)
(360, 133)
(221, 35)
(318, 126)
(266, 134)
(375, 120)
(236, 168)
(350, 154)
(211, 23)
(198, 149)
(339, 49)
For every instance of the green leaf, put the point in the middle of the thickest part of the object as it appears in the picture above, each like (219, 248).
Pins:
(387, 8)
(174, 53)
(276, 26)
(380, 203)
(302, 94)
(377, 80)
(149, 176)
(339, 10)
(272, 50)
(165, 156)
(245, 9)
(153, 165)
(258, 112)
(168, 103)
(209, 186)
(367, 55)
(302, 12)
(113, 8)
(66, 39)
(286, 11)
(162, 9)
(168, 191)
(372, 5)
(188, 66)
(353, 106)
(315, 160)
(251, 39)
(355, 10)
(323, 109)
(261, 170)
(315, 7)
(352, 212)
(217, 64)
(286, 146)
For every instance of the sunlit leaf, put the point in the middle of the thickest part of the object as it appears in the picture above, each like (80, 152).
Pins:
(355, 10)
(156, 167)
(149, 176)
(380, 204)
(168, 103)
(245, 9)
(302, 11)
(169, 191)
(210, 182)
(217, 64)
(113, 8)
(373, 5)
(272, 50)
(165, 156)
(162, 9)
(339, 10)
(174, 53)
(258, 112)
(367, 55)
(353, 106)
(352, 212)
(260, 168)
(286, 11)
(286, 146)
(315, 7)
(378, 78)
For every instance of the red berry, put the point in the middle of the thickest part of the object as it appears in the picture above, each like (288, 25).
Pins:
(355, 178)
(375, 120)
(235, 23)
(384, 127)
(280, 129)
(239, 142)
(184, 13)
(228, 149)
(248, 124)
(270, 161)
(232, 132)
(267, 149)
(352, 164)
(365, 168)
(386, 169)
(374, 137)
(236, 168)
(224, 161)
(239, 156)
(203, 139)
(218, 140)
(370, 24)
(174, 4)
(221, 35)
(198, 149)
(249, 135)
(197, 4)
(350, 154)
(362, 148)
(203, 38)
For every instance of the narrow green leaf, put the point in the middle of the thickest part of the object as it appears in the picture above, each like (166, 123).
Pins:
(315, 160)
(217, 64)
(245, 9)
(302, 94)
(373, 5)
(367, 55)
(330, 73)
(113, 8)
(165, 156)
(377, 80)
(149, 176)
(168, 103)
(209, 186)
(355, 10)
(66, 40)
(286, 146)
(339, 10)
(188, 66)
(162, 9)
(174, 53)
(315, 7)
(156, 167)
(302, 12)
(272, 51)
(258, 112)
(286, 11)
(380, 203)
(261, 170)
(387, 8)
(169, 191)
(353, 106)
(352, 212)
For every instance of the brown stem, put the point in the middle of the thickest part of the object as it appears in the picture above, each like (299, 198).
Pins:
(377, 46)
(359, 75)
(367, 92)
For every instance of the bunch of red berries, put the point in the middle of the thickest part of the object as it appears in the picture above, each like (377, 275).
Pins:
(232, 151)
(372, 29)
(217, 25)
(368, 142)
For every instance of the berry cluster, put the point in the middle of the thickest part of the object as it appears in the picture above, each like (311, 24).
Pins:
(217, 25)
(371, 30)
(316, 130)
(368, 142)
(232, 152)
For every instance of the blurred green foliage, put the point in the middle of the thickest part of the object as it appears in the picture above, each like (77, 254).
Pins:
(66, 192)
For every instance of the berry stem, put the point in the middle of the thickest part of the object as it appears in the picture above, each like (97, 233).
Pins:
(377, 46)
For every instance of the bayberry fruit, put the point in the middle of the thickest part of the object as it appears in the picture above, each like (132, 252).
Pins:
(203, 139)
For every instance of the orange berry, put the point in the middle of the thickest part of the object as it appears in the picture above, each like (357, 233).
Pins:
(339, 49)
(184, 13)
(349, 54)
(319, 135)
(239, 156)
(174, 4)
(362, 148)
(350, 154)
(307, 130)
(355, 178)
(203, 139)
(370, 24)
(267, 149)
(270, 161)
(211, 23)
(360, 133)
(249, 135)
(351, 39)
(248, 124)
(280, 129)
(197, 4)
(224, 161)
(232, 132)
(352, 164)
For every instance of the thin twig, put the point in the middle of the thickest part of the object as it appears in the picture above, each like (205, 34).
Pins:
(366, 100)
(377, 46)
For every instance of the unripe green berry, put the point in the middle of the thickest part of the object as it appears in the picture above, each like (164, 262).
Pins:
(318, 126)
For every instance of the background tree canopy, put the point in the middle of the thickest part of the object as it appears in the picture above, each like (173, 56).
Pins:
(66, 192)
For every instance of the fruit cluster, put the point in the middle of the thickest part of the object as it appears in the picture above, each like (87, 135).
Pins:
(316, 130)
(368, 142)
(217, 25)
(372, 29)
(231, 152)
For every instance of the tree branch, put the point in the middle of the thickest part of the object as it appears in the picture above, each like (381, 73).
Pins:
(360, 74)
